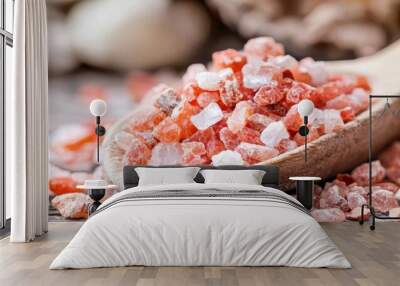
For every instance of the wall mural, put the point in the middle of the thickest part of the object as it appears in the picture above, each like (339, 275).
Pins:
(238, 106)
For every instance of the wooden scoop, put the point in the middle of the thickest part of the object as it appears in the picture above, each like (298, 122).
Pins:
(341, 152)
(330, 154)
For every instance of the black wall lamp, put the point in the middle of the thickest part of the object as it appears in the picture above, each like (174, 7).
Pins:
(98, 108)
(305, 108)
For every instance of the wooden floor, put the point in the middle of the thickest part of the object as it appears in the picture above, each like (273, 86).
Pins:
(375, 257)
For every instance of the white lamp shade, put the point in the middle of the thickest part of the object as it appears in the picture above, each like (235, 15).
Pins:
(305, 107)
(98, 107)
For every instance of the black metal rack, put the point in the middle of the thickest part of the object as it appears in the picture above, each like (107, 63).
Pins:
(374, 215)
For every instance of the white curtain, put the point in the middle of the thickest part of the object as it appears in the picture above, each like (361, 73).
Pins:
(26, 123)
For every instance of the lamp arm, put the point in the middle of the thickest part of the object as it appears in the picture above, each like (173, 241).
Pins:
(98, 139)
(305, 149)
(100, 131)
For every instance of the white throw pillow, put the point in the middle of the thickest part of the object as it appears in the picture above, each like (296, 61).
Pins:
(166, 176)
(248, 177)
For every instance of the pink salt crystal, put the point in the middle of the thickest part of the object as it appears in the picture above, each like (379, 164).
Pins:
(167, 131)
(73, 205)
(328, 215)
(189, 92)
(361, 173)
(253, 153)
(333, 121)
(147, 138)
(355, 214)
(208, 80)
(395, 212)
(340, 102)
(274, 133)
(268, 95)
(286, 145)
(147, 118)
(207, 97)
(191, 72)
(229, 88)
(181, 116)
(317, 70)
(259, 121)
(317, 119)
(331, 197)
(237, 121)
(387, 186)
(343, 189)
(214, 146)
(228, 58)
(355, 199)
(257, 74)
(284, 62)
(249, 135)
(207, 117)
(292, 119)
(298, 91)
(263, 48)
(137, 154)
(166, 154)
(230, 139)
(383, 200)
(167, 100)
(217, 127)
(203, 136)
(227, 157)
(358, 190)
(274, 110)
(359, 100)
(193, 153)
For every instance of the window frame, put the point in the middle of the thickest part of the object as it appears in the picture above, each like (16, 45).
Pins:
(6, 39)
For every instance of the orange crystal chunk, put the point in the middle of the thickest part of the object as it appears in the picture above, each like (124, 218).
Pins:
(229, 58)
(139, 153)
(168, 131)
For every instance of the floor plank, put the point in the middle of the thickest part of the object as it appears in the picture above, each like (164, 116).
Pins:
(375, 257)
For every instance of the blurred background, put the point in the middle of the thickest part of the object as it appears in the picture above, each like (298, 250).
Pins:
(117, 50)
